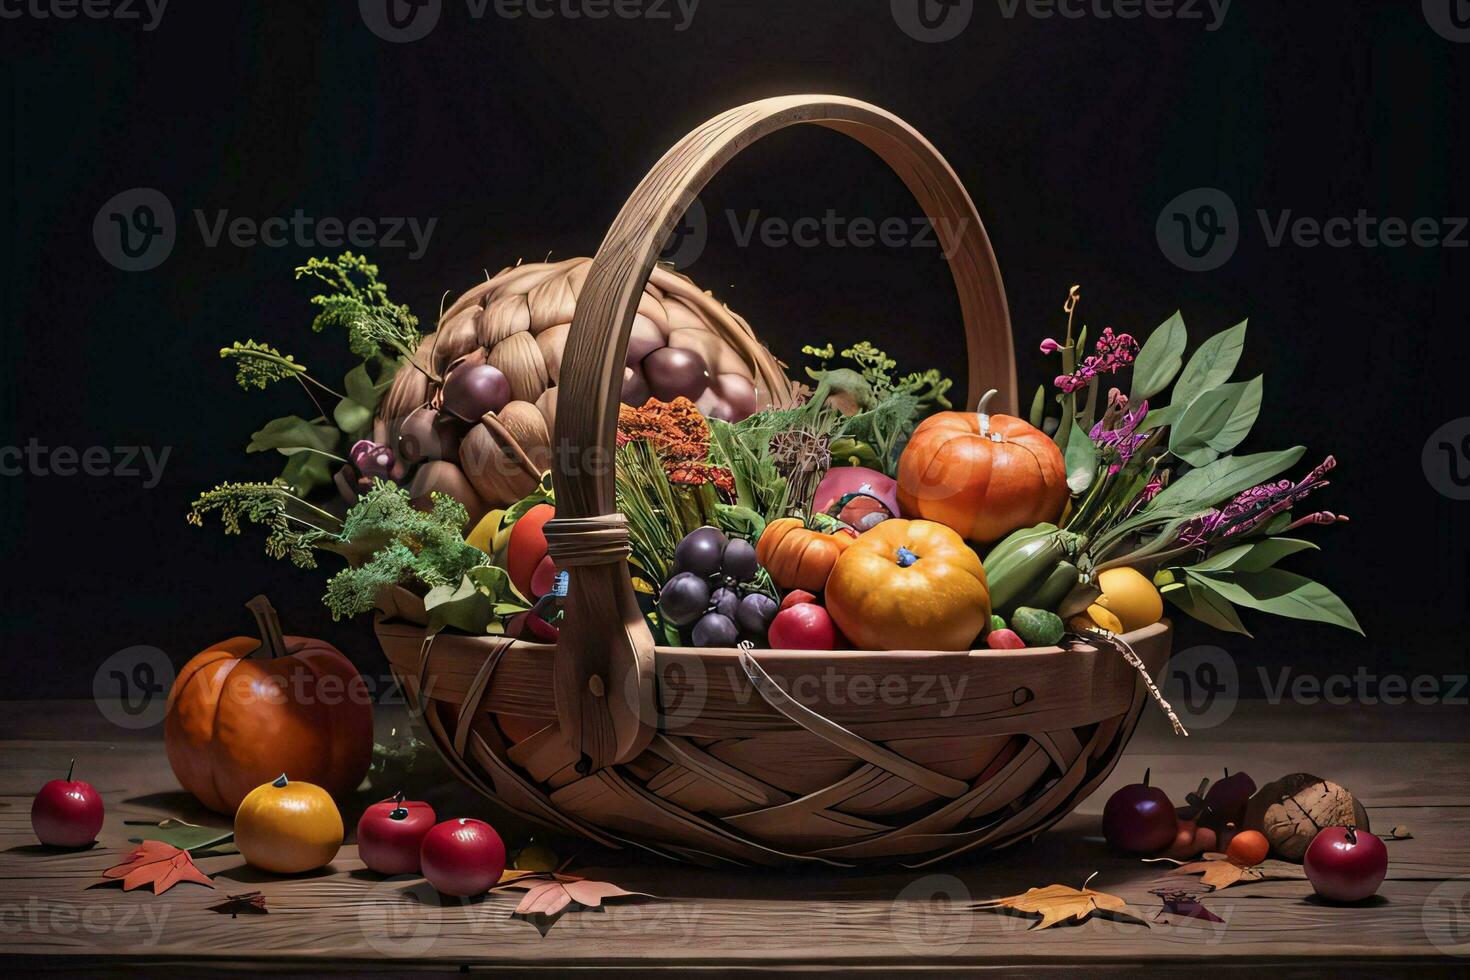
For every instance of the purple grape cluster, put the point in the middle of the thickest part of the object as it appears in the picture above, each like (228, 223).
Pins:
(707, 593)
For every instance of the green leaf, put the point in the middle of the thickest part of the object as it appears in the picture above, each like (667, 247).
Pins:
(1159, 417)
(351, 417)
(1159, 359)
(1282, 593)
(184, 835)
(291, 435)
(1254, 557)
(1206, 606)
(1038, 407)
(482, 598)
(1222, 479)
(1081, 460)
(1217, 422)
(1211, 365)
(361, 388)
(306, 473)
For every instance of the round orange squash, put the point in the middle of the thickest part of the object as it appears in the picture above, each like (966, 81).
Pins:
(798, 557)
(983, 475)
(909, 585)
(246, 710)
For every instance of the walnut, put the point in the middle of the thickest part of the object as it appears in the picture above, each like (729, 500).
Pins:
(1291, 811)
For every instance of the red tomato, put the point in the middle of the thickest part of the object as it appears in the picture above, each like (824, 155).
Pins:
(804, 626)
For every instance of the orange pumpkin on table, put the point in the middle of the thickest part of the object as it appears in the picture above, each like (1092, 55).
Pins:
(246, 710)
(983, 475)
(798, 557)
(909, 585)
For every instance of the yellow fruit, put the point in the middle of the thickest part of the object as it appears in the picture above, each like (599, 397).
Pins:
(288, 827)
(1105, 620)
(1130, 599)
(486, 532)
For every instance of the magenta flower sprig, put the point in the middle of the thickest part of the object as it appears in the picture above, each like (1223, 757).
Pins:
(1117, 432)
(1113, 353)
(1252, 508)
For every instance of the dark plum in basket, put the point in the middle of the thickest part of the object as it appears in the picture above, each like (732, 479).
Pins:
(755, 614)
(715, 630)
(700, 552)
(725, 602)
(471, 390)
(739, 561)
(684, 599)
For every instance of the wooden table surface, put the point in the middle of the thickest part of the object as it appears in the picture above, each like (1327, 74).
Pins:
(1408, 763)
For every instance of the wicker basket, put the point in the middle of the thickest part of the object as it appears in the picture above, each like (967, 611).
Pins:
(761, 757)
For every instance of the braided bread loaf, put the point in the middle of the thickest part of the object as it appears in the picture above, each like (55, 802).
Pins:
(684, 342)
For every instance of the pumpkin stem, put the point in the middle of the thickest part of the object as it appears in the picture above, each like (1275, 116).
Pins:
(280, 781)
(985, 416)
(269, 624)
(906, 558)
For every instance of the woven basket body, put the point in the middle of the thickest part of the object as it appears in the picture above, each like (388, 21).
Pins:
(760, 757)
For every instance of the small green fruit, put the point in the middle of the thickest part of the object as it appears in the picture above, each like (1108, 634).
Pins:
(1038, 627)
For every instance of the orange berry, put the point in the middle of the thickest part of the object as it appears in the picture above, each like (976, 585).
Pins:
(1248, 848)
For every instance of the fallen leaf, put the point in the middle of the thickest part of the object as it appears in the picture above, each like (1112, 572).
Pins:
(1183, 903)
(250, 903)
(1218, 871)
(1058, 904)
(1398, 833)
(550, 895)
(158, 864)
(182, 834)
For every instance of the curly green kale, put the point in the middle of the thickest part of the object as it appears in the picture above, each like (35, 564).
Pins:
(384, 538)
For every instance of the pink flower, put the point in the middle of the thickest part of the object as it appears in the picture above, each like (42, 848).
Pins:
(1114, 352)
(1049, 346)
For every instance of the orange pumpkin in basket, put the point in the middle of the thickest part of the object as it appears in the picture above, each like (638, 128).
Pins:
(909, 585)
(983, 475)
(246, 710)
(798, 557)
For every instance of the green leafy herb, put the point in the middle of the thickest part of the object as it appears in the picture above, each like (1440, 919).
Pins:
(1159, 360)
(357, 301)
(258, 365)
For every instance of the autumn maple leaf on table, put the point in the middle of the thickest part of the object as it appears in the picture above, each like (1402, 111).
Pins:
(158, 864)
(550, 895)
(1062, 904)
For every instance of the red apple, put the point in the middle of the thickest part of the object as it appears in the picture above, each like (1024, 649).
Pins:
(1345, 864)
(390, 833)
(526, 547)
(67, 812)
(462, 857)
(804, 626)
(1139, 819)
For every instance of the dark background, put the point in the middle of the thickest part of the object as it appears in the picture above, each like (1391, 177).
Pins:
(523, 137)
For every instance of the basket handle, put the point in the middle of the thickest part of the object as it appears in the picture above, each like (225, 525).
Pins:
(604, 676)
